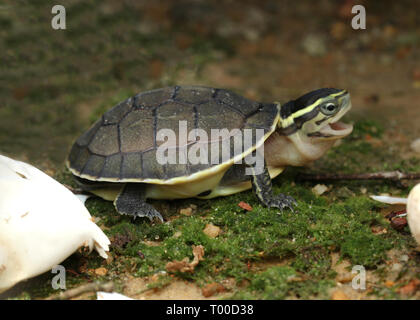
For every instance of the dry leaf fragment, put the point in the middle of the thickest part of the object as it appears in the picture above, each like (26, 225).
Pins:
(198, 252)
(211, 230)
(410, 288)
(184, 265)
(245, 206)
(186, 211)
(181, 266)
(211, 289)
(101, 271)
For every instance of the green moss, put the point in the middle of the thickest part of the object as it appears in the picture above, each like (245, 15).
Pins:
(273, 283)
(307, 235)
(364, 248)
(281, 283)
(314, 261)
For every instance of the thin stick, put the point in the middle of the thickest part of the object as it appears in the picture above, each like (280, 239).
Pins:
(392, 175)
(94, 286)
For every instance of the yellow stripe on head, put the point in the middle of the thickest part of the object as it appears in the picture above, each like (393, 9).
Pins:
(322, 94)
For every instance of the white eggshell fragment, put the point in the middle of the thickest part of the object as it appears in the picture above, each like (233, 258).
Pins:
(413, 212)
(41, 223)
(389, 200)
(111, 296)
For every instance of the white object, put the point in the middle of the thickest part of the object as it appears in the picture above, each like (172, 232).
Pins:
(100, 295)
(415, 145)
(41, 223)
(413, 209)
(413, 212)
(390, 200)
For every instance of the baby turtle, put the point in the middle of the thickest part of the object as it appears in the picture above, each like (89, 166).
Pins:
(159, 144)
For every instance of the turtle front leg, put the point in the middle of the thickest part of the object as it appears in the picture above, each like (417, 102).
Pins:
(132, 202)
(261, 185)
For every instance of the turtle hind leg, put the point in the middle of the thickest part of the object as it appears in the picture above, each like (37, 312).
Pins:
(262, 187)
(132, 202)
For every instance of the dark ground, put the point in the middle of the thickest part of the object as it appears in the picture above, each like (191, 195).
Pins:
(54, 84)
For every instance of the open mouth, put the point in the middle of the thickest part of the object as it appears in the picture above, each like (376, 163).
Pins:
(336, 129)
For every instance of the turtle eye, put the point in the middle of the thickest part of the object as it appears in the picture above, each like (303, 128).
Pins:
(329, 108)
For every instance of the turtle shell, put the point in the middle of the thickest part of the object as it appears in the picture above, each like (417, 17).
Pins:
(122, 145)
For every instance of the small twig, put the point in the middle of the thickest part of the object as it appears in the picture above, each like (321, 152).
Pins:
(94, 286)
(392, 175)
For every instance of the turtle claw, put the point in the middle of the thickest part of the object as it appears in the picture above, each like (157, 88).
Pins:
(132, 202)
(155, 215)
(146, 210)
(282, 201)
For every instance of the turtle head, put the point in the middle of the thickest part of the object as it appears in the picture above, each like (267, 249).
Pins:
(316, 115)
(310, 125)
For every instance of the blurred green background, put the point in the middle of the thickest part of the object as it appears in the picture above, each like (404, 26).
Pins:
(54, 83)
